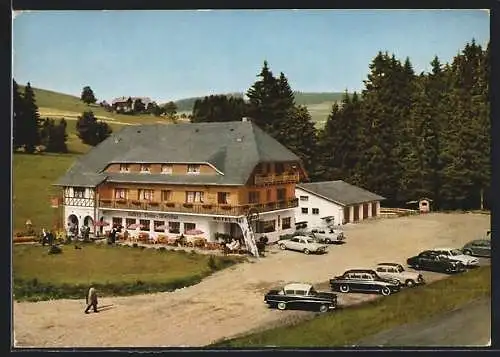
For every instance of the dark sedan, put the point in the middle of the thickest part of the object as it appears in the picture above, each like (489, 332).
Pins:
(365, 280)
(478, 247)
(430, 260)
(301, 296)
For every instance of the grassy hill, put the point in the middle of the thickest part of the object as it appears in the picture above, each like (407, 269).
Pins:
(55, 105)
(301, 98)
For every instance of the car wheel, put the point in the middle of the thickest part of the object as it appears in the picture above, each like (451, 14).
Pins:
(328, 241)
(409, 283)
(306, 251)
(281, 306)
(385, 291)
(467, 252)
(282, 246)
(344, 288)
(323, 308)
(416, 266)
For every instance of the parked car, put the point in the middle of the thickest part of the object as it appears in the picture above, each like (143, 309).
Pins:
(328, 235)
(366, 280)
(302, 244)
(478, 247)
(396, 271)
(301, 296)
(457, 254)
(430, 260)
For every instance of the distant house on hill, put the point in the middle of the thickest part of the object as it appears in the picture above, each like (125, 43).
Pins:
(127, 103)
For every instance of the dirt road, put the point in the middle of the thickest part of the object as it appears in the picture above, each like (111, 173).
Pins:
(230, 302)
(468, 326)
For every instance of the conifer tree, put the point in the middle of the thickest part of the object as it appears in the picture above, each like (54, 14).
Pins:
(30, 120)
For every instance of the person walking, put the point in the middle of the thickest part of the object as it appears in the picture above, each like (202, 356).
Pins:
(91, 300)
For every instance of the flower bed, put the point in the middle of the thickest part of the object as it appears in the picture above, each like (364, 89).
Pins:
(26, 239)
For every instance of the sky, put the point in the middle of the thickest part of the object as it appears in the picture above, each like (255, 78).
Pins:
(170, 55)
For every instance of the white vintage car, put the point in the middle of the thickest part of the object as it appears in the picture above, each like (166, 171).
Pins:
(396, 271)
(457, 254)
(302, 244)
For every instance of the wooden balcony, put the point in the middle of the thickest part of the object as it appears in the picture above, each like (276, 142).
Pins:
(271, 179)
(200, 208)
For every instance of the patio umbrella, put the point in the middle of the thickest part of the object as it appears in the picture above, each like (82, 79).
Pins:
(135, 225)
(101, 224)
(194, 232)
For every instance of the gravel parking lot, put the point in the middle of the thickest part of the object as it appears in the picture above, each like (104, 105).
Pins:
(230, 302)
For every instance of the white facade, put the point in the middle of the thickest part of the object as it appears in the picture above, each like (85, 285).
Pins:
(208, 224)
(79, 207)
(311, 208)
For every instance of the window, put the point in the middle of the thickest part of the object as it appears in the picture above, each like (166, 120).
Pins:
(279, 168)
(258, 169)
(166, 195)
(286, 223)
(268, 195)
(300, 292)
(120, 193)
(124, 168)
(174, 227)
(166, 169)
(295, 240)
(193, 169)
(304, 198)
(189, 227)
(253, 197)
(315, 211)
(145, 168)
(222, 198)
(146, 195)
(79, 192)
(268, 168)
(159, 226)
(145, 225)
(194, 197)
(266, 226)
(381, 270)
(305, 210)
(281, 194)
(117, 221)
(129, 222)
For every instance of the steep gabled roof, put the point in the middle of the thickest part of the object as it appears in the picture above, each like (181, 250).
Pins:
(340, 192)
(233, 148)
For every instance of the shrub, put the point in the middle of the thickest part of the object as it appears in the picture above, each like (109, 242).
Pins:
(212, 264)
(54, 249)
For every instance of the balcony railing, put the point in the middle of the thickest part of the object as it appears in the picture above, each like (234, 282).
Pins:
(201, 208)
(78, 201)
(275, 179)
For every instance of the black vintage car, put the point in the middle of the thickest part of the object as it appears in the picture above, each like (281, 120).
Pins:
(433, 261)
(365, 280)
(301, 296)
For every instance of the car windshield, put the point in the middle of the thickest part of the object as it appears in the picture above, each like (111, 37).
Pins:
(400, 269)
(456, 252)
